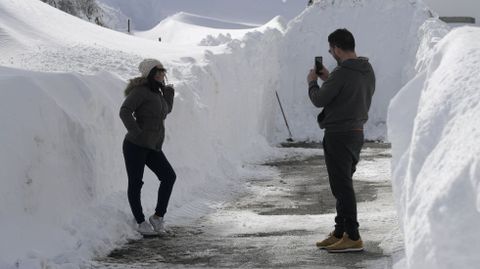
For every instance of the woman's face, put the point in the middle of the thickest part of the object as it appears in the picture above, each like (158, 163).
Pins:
(160, 75)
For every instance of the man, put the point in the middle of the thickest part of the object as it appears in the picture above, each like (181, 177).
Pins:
(345, 96)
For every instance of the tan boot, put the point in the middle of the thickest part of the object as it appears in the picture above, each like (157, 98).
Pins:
(346, 245)
(330, 240)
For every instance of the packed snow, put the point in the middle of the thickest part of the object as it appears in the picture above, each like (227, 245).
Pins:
(63, 179)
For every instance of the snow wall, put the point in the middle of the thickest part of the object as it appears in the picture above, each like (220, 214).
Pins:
(433, 126)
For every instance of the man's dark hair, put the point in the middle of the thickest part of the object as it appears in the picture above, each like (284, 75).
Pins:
(343, 39)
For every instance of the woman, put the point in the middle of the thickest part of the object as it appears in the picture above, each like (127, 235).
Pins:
(147, 103)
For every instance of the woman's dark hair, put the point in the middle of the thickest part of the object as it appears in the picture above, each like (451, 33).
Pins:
(343, 39)
(152, 83)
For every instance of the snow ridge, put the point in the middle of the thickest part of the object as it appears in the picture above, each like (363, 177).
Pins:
(435, 165)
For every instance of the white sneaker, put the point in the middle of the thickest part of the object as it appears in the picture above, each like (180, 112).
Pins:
(158, 224)
(146, 229)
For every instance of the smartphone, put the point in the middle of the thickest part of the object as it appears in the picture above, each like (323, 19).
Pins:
(318, 65)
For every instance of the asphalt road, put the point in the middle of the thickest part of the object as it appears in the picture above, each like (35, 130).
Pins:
(276, 222)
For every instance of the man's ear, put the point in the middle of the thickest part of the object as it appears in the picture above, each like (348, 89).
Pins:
(339, 52)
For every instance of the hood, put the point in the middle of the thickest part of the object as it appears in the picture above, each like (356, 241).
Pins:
(135, 82)
(360, 64)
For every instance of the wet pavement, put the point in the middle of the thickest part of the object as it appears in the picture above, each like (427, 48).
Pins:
(276, 222)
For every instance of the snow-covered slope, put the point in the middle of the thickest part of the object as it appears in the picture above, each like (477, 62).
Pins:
(208, 21)
(193, 28)
(44, 38)
(433, 125)
(146, 14)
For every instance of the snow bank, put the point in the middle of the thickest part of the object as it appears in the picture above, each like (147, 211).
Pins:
(433, 125)
(59, 153)
(385, 32)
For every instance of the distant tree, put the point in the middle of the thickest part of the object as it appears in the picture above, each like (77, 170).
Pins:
(84, 9)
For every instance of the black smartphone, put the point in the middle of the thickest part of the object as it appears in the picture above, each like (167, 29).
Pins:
(318, 65)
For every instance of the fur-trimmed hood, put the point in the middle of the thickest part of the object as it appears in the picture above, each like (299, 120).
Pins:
(135, 82)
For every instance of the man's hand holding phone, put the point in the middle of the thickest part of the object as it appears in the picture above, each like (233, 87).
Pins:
(319, 72)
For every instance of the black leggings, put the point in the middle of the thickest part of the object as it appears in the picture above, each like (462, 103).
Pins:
(136, 158)
(342, 153)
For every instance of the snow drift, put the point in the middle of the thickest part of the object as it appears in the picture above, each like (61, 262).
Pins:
(59, 151)
(433, 125)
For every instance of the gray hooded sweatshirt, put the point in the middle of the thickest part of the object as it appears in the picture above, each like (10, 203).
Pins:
(345, 96)
(143, 113)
